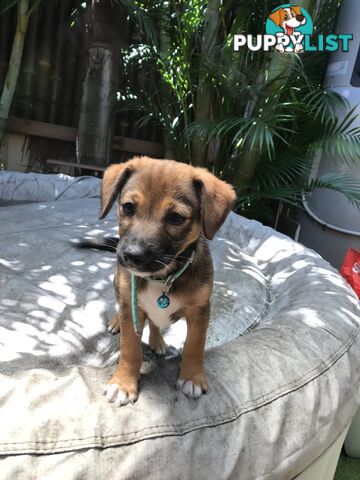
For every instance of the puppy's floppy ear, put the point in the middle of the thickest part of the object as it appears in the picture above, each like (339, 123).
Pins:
(113, 181)
(217, 198)
(296, 9)
(276, 17)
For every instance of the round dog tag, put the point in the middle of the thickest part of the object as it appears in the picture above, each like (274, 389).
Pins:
(163, 301)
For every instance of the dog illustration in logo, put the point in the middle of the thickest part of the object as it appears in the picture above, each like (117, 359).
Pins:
(289, 19)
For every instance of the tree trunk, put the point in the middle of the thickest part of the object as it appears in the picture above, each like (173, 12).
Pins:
(203, 96)
(95, 132)
(14, 64)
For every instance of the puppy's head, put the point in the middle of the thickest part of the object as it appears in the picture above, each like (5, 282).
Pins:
(163, 207)
(288, 18)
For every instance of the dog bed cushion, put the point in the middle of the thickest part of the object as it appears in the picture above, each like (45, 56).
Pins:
(283, 357)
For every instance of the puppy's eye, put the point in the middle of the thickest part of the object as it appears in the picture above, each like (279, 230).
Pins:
(175, 218)
(286, 16)
(128, 209)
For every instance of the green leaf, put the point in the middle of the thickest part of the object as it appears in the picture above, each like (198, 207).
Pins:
(339, 182)
(143, 19)
(6, 4)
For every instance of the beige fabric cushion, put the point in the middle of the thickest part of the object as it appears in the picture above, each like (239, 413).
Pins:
(283, 358)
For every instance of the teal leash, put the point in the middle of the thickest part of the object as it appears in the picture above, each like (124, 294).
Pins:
(163, 301)
(134, 306)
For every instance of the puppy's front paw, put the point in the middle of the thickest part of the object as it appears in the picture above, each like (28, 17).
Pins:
(194, 387)
(120, 394)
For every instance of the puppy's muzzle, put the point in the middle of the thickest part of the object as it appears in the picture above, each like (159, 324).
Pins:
(139, 255)
(135, 255)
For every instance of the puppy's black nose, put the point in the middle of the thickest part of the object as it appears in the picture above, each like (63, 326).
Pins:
(134, 254)
(300, 18)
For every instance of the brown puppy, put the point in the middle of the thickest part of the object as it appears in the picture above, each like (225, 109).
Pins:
(165, 209)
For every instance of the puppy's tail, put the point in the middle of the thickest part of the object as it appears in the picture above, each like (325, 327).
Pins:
(106, 243)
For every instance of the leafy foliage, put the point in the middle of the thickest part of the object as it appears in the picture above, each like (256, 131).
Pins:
(167, 66)
(269, 116)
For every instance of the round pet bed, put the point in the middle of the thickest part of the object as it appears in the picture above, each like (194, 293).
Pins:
(283, 358)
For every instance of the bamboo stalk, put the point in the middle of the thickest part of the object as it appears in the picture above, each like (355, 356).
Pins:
(44, 61)
(82, 45)
(5, 23)
(69, 78)
(14, 64)
(28, 72)
(56, 76)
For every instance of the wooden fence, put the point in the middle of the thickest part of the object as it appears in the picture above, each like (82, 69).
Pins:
(52, 73)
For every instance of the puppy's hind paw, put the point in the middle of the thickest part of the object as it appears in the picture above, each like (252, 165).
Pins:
(114, 326)
(113, 329)
(159, 346)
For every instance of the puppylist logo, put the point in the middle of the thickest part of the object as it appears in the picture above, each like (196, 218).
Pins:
(289, 29)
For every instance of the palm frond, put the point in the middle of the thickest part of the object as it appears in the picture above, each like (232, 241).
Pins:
(291, 168)
(7, 4)
(339, 182)
(324, 105)
(341, 141)
(285, 193)
(143, 19)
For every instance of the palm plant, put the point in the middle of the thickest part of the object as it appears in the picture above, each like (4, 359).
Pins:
(269, 153)
(257, 119)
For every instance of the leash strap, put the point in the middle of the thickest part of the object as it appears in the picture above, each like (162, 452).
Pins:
(134, 306)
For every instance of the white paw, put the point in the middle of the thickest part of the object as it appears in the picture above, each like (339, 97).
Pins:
(113, 328)
(114, 394)
(159, 348)
(189, 388)
(280, 48)
(298, 48)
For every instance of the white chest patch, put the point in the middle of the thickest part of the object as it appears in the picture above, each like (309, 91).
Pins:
(148, 302)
